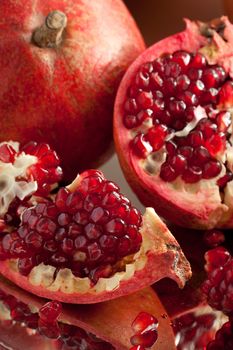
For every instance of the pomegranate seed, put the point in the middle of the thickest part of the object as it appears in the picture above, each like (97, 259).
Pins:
(144, 100)
(192, 174)
(195, 138)
(198, 61)
(7, 153)
(156, 81)
(211, 169)
(130, 121)
(182, 57)
(197, 87)
(143, 321)
(146, 339)
(176, 107)
(210, 78)
(131, 106)
(158, 106)
(194, 74)
(50, 312)
(142, 79)
(200, 156)
(222, 182)
(183, 82)
(216, 257)
(141, 147)
(215, 145)
(156, 136)
(214, 238)
(167, 173)
(223, 121)
(178, 163)
(143, 115)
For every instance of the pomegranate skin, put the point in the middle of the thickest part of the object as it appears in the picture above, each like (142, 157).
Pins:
(205, 209)
(64, 95)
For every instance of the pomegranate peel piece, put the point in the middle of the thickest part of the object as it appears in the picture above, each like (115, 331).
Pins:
(109, 321)
(184, 83)
(159, 256)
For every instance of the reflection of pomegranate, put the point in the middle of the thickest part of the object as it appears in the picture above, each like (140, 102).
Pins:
(89, 244)
(61, 62)
(92, 324)
(173, 125)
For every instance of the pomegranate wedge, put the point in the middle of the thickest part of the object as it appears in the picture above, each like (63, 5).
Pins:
(113, 323)
(89, 244)
(173, 125)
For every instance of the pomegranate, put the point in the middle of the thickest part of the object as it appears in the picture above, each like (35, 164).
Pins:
(32, 169)
(113, 322)
(61, 63)
(88, 243)
(173, 125)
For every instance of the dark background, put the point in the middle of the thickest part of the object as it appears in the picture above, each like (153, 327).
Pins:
(157, 19)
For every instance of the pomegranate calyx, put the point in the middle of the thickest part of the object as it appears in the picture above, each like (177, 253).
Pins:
(50, 34)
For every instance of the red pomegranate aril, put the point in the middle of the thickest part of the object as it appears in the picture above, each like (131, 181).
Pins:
(172, 69)
(67, 246)
(93, 231)
(108, 242)
(194, 74)
(144, 100)
(143, 321)
(223, 338)
(156, 136)
(134, 217)
(189, 98)
(169, 86)
(207, 128)
(63, 219)
(115, 226)
(216, 144)
(25, 265)
(200, 156)
(130, 121)
(222, 182)
(158, 106)
(156, 81)
(167, 173)
(198, 61)
(80, 242)
(146, 339)
(211, 169)
(186, 151)
(142, 79)
(216, 257)
(214, 238)
(210, 78)
(141, 147)
(131, 106)
(182, 82)
(178, 163)
(223, 121)
(195, 138)
(171, 148)
(197, 87)
(33, 240)
(225, 96)
(192, 174)
(50, 312)
(209, 96)
(52, 332)
(183, 58)
(7, 153)
(176, 107)
(137, 347)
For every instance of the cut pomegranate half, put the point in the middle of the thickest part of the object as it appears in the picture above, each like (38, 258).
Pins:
(90, 244)
(26, 170)
(109, 322)
(173, 125)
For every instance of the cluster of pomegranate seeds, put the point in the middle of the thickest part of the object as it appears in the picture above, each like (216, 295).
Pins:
(46, 323)
(89, 230)
(223, 338)
(145, 328)
(46, 171)
(162, 101)
(194, 331)
(48, 319)
(218, 285)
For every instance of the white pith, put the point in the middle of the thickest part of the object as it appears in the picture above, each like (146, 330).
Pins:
(66, 282)
(4, 312)
(12, 179)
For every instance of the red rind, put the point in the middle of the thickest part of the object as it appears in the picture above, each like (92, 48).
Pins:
(164, 259)
(110, 321)
(152, 192)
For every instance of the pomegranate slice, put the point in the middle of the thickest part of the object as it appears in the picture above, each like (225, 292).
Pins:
(173, 125)
(90, 244)
(26, 170)
(110, 321)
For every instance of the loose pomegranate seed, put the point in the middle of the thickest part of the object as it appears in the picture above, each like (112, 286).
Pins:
(223, 338)
(145, 329)
(214, 238)
(50, 312)
(94, 226)
(171, 88)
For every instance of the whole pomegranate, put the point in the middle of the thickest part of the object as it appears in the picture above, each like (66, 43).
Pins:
(173, 125)
(61, 62)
